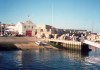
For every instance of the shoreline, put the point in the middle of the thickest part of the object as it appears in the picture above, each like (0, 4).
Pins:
(23, 46)
(21, 43)
(24, 43)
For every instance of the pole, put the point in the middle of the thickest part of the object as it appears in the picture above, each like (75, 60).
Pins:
(92, 27)
(4, 29)
(0, 29)
(52, 14)
(28, 17)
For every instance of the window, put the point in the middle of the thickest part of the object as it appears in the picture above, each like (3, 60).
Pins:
(47, 30)
(41, 30)
(32, 27)
(24, 26)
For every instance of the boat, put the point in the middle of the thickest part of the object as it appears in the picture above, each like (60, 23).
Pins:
(40, 43)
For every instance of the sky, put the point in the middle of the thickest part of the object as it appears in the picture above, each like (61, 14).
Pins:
(66, 14)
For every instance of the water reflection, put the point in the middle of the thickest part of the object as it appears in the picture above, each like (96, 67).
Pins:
(75, 55)
(40, 59)
(44, 59)
(18, 58)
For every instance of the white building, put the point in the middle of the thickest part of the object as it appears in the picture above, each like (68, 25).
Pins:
(10, 28)
(45, 31)
(25, 28)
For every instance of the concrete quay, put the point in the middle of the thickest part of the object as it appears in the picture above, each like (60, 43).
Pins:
(16, 43)
(10, 43)
(67, 44)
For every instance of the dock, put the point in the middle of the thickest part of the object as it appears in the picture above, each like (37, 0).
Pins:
(67, 44)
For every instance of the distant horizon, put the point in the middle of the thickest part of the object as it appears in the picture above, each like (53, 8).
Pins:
(63, 14)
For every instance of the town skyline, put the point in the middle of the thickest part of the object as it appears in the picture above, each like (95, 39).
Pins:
(67, 14)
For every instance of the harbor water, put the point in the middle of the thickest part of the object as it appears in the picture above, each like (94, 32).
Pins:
(48, 59)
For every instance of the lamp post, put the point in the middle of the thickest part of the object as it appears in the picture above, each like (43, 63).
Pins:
(0, 29)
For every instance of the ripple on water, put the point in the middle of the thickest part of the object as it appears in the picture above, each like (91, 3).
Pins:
(46, 60)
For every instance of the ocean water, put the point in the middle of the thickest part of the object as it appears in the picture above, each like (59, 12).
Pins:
(48, 59)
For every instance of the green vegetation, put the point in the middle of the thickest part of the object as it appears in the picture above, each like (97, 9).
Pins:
(54, 45)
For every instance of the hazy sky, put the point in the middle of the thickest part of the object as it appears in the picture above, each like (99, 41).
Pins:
(73, 14)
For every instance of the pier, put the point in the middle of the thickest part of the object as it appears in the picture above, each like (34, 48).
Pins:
(74, 45)
(28, 42)
(92, 43)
